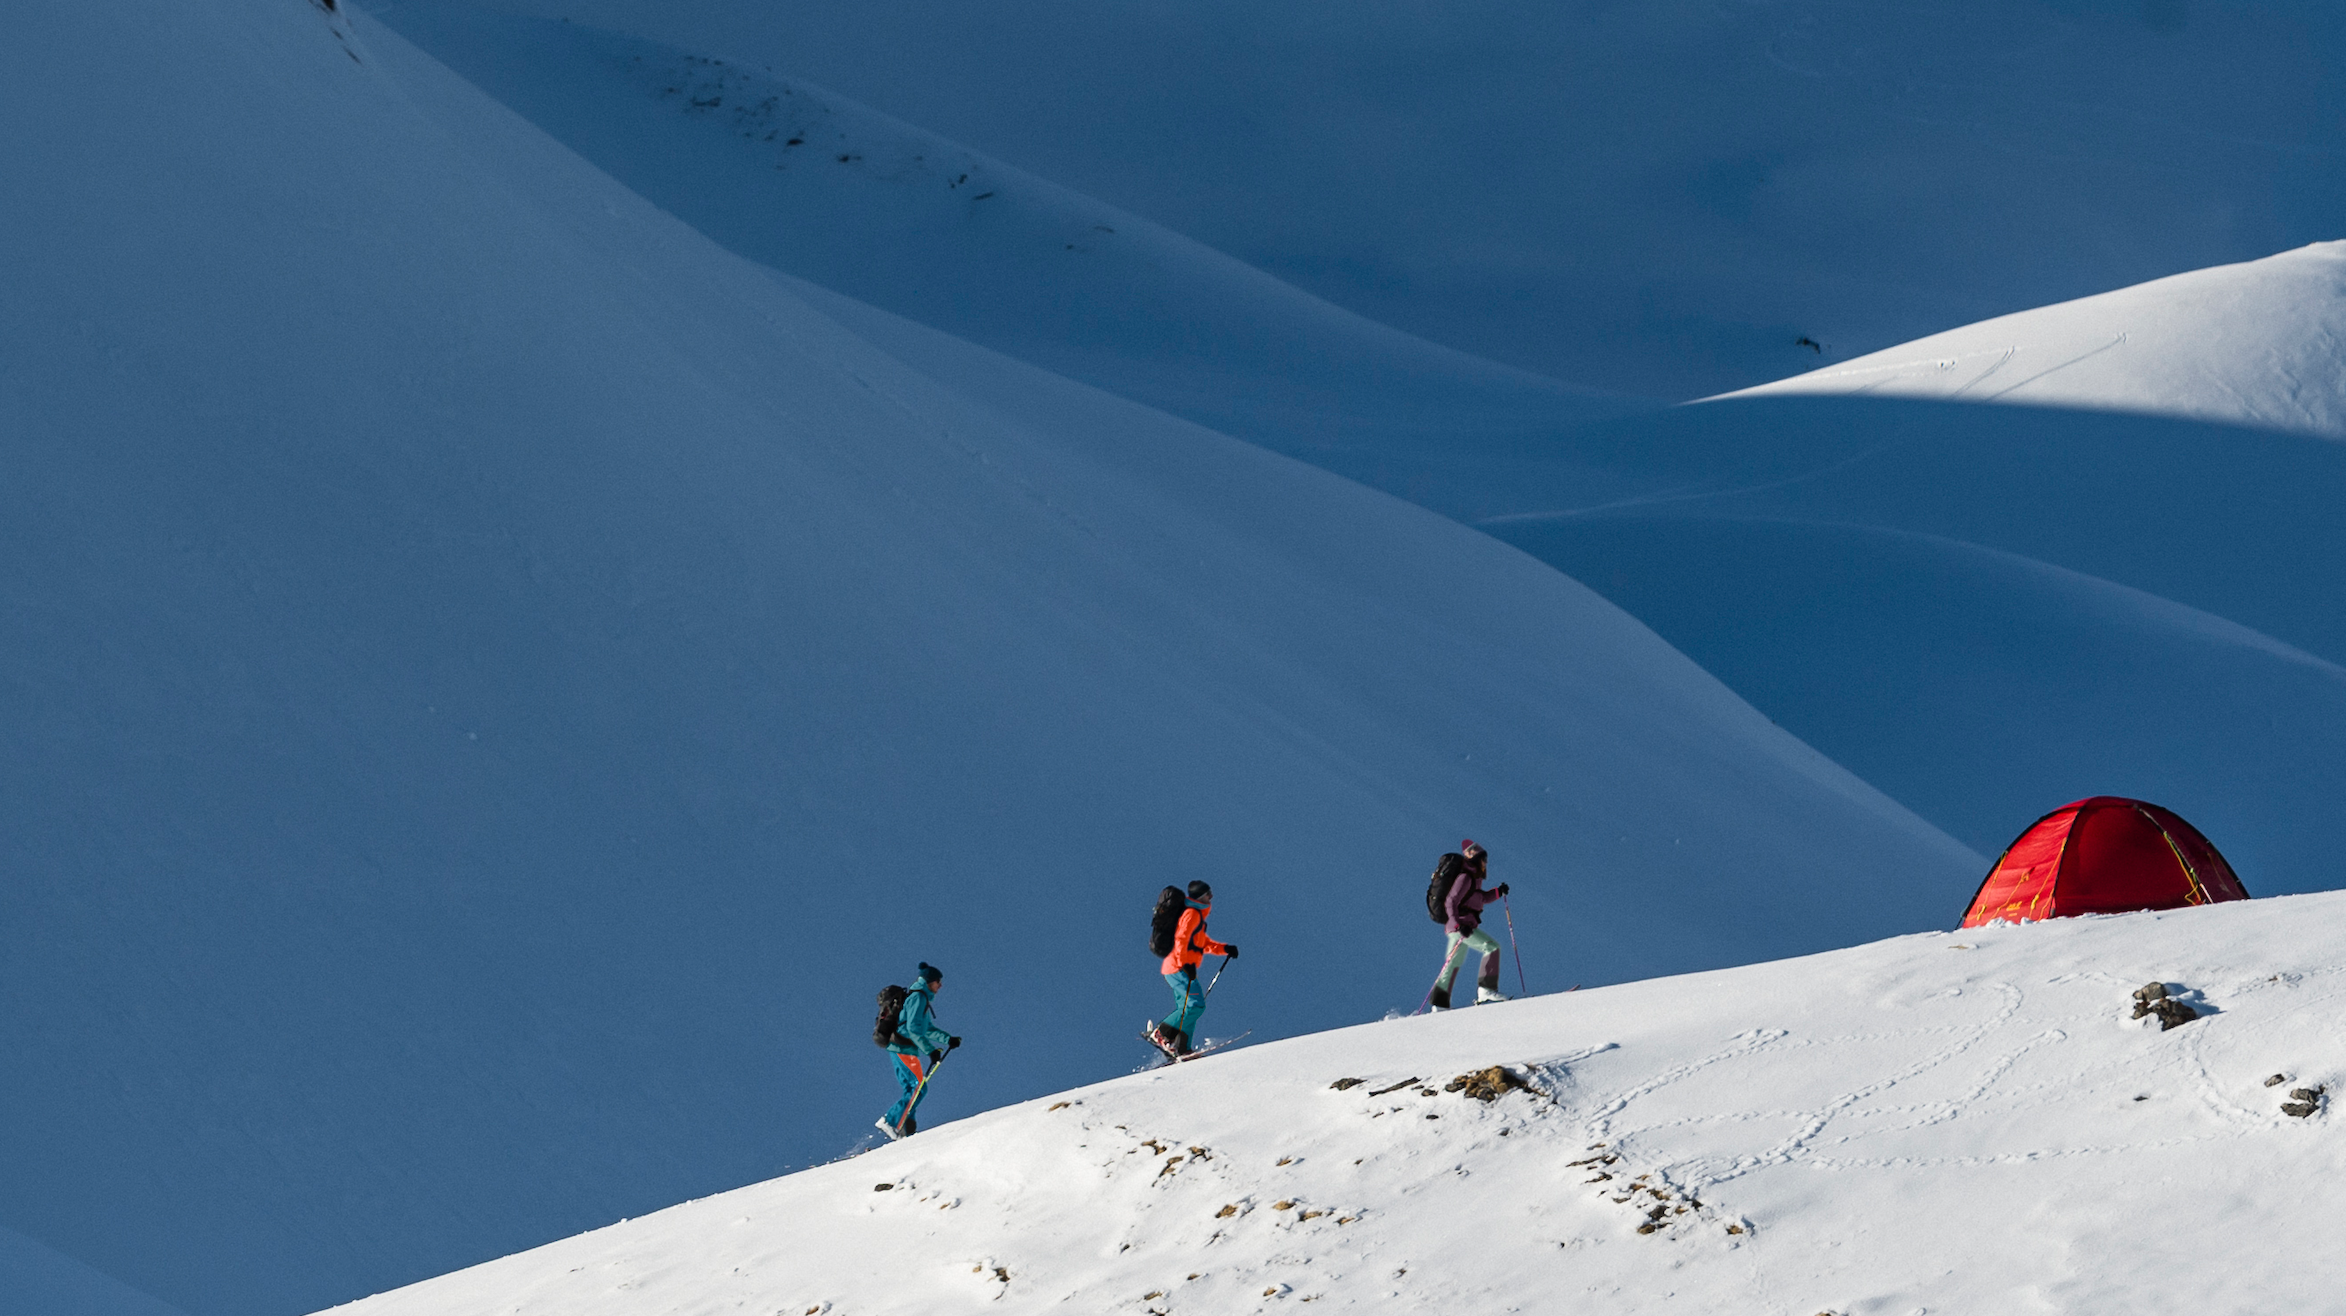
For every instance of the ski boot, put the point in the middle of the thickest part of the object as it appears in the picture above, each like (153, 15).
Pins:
(885, 1127)
(1489, 996)
(1168, 1040)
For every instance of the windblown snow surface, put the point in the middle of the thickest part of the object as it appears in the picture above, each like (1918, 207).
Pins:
(1958, 1122)
(2260, 344)
(495, 683)
(1663, 197)
(809, 182)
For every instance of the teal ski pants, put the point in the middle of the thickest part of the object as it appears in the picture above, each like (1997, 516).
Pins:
(1190, 998)
(909, 1072)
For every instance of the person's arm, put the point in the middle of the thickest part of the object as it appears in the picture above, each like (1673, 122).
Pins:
(1207, 945)
(920, 1026)
(1461, 890)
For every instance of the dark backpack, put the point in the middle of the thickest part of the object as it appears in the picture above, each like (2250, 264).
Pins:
(1438, 888)
(1162, 924)
(884, 1032)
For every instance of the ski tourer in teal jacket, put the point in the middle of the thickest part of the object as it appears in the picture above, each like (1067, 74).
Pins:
(917, 1033)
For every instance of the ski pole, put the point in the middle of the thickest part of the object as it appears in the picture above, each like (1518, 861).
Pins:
(1217, 975)
(918, 1088)
(1509, 910)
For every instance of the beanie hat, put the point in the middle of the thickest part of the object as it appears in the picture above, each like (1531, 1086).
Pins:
(1200, 891)
(931, 973)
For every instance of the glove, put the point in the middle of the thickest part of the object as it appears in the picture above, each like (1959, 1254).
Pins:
(935, 1056)
(952, 1042)
(1230, 952)
(1501, 891)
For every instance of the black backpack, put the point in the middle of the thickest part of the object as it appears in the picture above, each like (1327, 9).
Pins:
(884, 1032)
(1170, 902)
(1438, 888)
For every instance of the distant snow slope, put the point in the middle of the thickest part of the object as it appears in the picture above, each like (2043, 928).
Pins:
(1965, 1123)
(35, 1281)
(2262, 343)
(1968, 691)
(1662, 197)
(1984, 688)
(1795, 516)
(814, 184)
(495, 683)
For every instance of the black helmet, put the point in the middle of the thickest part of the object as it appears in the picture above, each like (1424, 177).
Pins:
(1200, 892)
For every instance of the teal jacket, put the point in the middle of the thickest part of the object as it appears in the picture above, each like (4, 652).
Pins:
(914, 1022)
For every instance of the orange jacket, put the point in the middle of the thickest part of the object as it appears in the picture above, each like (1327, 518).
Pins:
(1190, 942)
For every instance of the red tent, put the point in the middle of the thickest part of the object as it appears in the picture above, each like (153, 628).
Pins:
(2106, 855)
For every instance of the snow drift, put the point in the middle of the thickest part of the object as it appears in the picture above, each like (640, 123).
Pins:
(1958, 1122)
(495, 682)
(2258, 344)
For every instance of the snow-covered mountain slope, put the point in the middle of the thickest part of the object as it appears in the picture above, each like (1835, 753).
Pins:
(1985, 688)
(495, 682)
(815, 185)
(1662, 197)
(2262, 343)
(1917, 694)
(1810, 505)
(1943, 1122)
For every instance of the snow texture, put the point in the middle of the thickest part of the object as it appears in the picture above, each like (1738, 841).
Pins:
(808, 182)
(2259, 344)
(1943, 1122)
(1663, 197)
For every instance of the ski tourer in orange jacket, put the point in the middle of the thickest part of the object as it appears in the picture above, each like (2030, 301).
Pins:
(1190, 942)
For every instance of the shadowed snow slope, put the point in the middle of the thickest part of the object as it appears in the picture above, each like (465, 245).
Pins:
(1943, 1122)
(38, 1282)
(1984, 688)
(2262, 343)
(1908, 584)
(813, 184)
(494, 684)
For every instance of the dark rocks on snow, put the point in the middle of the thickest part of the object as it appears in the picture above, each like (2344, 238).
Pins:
(1486, 1084)
(1344, 1084)
(2304, 1102)
(2152, 999)
(2276, 1080)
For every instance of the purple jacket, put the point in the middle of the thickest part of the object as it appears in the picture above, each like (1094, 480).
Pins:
(1466, 901)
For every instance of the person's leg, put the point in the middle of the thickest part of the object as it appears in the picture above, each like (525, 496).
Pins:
(1451, 959)
(1192, 1005)
(1175, 1026)
(908, 1075)
(1488, 979)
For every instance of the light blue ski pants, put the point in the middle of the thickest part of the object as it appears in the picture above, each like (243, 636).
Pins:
(1459, 945)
